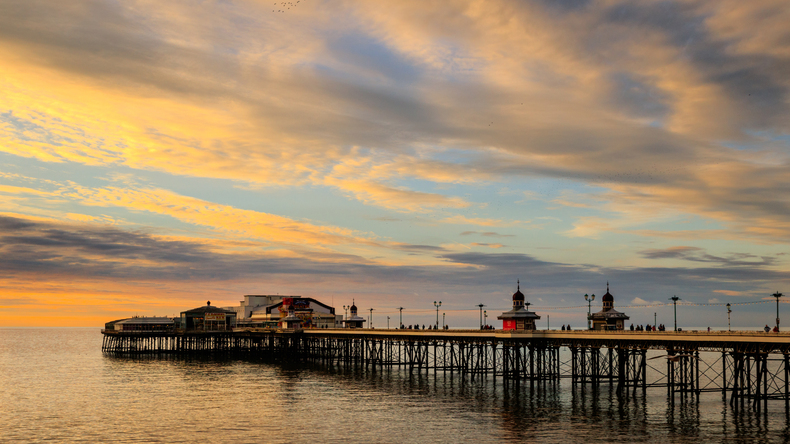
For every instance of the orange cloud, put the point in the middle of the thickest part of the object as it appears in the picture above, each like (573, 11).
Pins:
(229, 220)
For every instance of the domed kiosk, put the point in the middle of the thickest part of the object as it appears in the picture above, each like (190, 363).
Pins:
(608, 318)
(354, 321)
(519, 318)
(291, 321)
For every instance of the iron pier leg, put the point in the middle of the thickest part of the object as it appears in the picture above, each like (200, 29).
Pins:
(787, 381)
(574, 365)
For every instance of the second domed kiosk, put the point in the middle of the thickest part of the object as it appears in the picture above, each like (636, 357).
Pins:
(608, 318)
(519, 318)
(354, 321)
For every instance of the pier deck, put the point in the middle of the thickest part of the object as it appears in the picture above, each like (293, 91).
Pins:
(746, 364)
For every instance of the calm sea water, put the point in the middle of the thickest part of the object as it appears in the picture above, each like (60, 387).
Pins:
(56, 385)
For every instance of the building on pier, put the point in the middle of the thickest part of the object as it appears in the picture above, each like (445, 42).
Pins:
(142, 324)
(519, 318)
(608, 318)
(254, 302)
(312, 313)
(268, 310)
(208, 318)
(354, 321)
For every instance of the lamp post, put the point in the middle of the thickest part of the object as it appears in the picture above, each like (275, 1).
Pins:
(437, 305)
(370, 320)
(675, 303)
(777, 295)
(481, 314)
(388, 322)
(485, 317)
(401, 317)
(345, 308)
(443, 324)
(589, 300)
(655, 323)
(728, 317)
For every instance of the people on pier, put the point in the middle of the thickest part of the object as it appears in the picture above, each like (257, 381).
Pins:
(563, 327)
(767, 328)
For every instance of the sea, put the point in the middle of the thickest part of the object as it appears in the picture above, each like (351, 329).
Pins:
(56, 385)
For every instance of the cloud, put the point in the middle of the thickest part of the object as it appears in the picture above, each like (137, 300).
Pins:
(670, 253)
(417, 248)
(219, 217)
(696, 254)
(641, 108)
(728, 292)
(75, 255)
(483, 222)
(479, 244)
(640, 301)
(57, 249)
(486, 234)
(16, 301)
(404, 200)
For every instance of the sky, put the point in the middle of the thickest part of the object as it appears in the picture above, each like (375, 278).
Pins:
(156, 155)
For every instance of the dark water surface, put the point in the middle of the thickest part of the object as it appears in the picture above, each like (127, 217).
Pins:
(56, 385)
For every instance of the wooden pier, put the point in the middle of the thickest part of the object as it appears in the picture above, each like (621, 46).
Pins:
(750, 366)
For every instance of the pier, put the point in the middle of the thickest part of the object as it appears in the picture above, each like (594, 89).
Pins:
(746, 366)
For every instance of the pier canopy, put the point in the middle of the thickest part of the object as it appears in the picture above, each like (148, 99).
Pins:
(208, 318)
(519, 317)
(142, 324)
(608, 318)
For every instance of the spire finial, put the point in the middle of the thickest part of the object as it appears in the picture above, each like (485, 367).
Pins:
(518, 284)
(607, 286)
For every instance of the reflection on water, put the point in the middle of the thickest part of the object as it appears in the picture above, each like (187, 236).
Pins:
(56, 384)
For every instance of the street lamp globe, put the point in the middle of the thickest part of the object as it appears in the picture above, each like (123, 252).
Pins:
(589, 300)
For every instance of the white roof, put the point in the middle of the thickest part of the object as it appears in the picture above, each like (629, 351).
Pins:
(147, 320)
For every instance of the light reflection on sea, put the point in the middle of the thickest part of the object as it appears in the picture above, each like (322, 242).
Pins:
(55, 384)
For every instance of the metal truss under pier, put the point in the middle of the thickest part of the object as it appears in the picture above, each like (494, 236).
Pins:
(749, 366)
